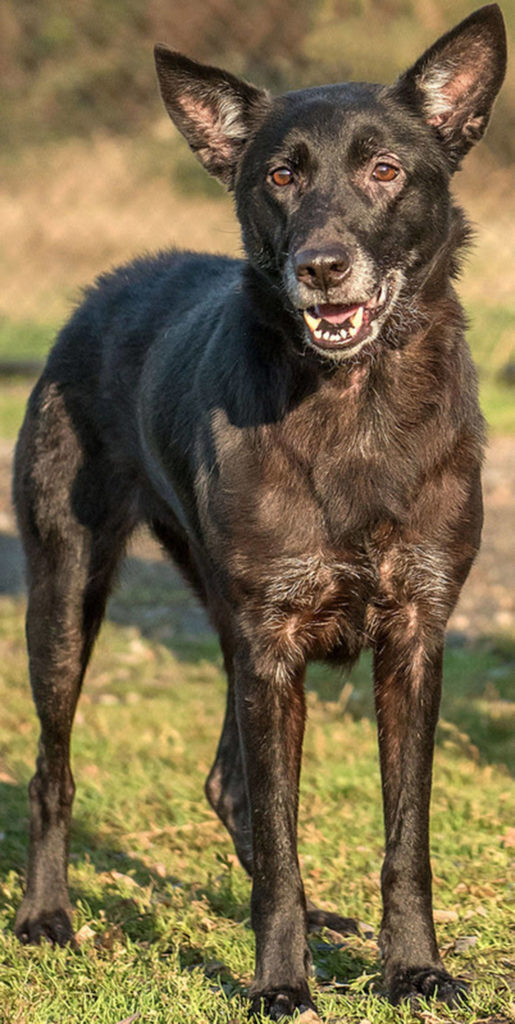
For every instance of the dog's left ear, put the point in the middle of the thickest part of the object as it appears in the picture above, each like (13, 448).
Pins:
(455, 82)
(216, 112)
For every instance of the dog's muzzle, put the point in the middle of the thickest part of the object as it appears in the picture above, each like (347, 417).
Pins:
(338, 326)
(340, 295)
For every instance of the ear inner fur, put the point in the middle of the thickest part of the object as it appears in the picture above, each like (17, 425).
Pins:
(215, 111)
(455, 82)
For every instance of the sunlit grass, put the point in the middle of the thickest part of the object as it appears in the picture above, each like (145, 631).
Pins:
(162, 908)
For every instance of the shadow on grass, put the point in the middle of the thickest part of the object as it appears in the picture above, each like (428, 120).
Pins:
(122, 914)
(478, 675)
(106, 855)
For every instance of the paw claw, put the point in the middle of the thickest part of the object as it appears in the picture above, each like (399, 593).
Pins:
(34, 926)
(282, 1005)
(414, 983)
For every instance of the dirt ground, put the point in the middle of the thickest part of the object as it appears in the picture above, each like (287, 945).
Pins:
(487, 603)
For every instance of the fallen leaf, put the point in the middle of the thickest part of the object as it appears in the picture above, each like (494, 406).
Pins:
(461, 887)
(84, 934)
(118, 876)
(442, 916)
(110, 938)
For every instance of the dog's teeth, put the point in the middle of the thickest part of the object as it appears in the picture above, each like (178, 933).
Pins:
(312, 321)
(357, 320)
(318, 334)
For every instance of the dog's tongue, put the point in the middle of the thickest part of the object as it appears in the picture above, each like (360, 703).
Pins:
(334, 314)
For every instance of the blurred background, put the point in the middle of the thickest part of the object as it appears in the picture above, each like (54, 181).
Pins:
(92, 171)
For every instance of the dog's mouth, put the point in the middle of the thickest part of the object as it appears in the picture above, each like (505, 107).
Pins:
(337, 327)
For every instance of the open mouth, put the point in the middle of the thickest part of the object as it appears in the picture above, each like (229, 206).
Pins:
(334, 326)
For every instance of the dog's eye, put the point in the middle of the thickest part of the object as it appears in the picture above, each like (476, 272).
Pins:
(385, 172)
(281, 176)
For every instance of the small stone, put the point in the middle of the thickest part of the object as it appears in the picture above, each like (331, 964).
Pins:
(464, 943)
(213, 968)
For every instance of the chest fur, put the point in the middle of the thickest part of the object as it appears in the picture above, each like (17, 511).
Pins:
(325, 607)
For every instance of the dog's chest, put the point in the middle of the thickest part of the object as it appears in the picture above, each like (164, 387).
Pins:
(331, 469)
(316, 604)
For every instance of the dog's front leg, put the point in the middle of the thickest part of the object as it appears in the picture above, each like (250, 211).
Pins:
(407, 676)
(271, 712)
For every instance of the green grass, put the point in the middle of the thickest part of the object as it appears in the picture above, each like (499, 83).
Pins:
(13, 399)
(491, 335)
(162, 909)
(498, 405)
(25, 339)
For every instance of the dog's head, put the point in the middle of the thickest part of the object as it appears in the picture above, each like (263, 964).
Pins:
(343, 191)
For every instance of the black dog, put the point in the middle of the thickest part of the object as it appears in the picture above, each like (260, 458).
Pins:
(301, 431)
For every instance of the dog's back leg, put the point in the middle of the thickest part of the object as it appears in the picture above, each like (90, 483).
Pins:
(73, 520)
(225, 785)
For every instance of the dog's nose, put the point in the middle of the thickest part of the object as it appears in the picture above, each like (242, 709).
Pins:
(322, 268)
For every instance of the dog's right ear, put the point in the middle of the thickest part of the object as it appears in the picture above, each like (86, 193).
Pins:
(216, 112)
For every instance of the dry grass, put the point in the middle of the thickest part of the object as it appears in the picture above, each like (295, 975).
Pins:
(486, 192)
(73, 209)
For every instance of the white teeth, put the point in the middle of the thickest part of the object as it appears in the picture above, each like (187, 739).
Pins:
(312, 321)
(328, 336)
(357, 320)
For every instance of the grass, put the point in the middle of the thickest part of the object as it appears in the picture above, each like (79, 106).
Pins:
(162, 909)
(21, 339)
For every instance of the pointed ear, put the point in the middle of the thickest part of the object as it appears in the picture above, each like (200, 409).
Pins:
(216, 112)
(455, 82)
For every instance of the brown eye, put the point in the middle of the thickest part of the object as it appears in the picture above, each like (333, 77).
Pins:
(282, 176)
(385, 172)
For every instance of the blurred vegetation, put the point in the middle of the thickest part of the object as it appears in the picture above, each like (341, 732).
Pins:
(93, 172)
(68, 66)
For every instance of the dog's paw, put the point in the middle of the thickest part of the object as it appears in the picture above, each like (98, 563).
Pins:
(283, 1004)
(34, 925)
(427, 982)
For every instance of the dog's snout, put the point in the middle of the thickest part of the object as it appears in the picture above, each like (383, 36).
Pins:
(322, 269)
